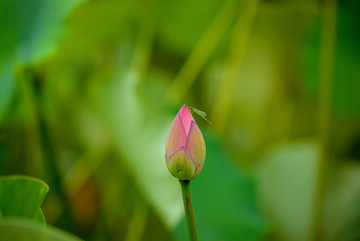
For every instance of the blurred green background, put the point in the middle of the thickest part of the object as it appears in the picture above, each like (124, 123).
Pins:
(89, 88)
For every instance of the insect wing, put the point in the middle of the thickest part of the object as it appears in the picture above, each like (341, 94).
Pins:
(200, 113)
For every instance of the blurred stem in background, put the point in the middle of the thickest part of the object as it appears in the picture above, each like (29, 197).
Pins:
(239, 42)
(137, 221)
(201, 53)
(32, 141)
(143, 47)
(38, 141)
(189, 213)
(327, 59)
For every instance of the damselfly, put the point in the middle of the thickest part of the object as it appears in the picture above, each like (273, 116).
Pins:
(200, 113)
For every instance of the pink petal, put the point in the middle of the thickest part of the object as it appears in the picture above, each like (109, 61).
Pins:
(195, 145)
(176, 137)
(186, 118)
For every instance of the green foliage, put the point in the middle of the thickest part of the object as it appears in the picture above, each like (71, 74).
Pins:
(132, 134)
(21, 230)
(30, 30)
(288, 174)
(346, 74)
(21, 197)
(342, 213)
(91, 114)
(21, 217)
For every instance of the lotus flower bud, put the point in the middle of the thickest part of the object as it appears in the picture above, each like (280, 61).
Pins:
(185, 147)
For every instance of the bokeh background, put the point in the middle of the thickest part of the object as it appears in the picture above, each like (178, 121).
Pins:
(88, 90)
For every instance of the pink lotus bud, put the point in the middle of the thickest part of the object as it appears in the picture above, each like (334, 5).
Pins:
(185, 147)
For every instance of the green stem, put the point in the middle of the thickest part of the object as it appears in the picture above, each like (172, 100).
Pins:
(185, 188)
(327, 58)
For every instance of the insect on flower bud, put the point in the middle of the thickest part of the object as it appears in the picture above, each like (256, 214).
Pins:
(185, 147)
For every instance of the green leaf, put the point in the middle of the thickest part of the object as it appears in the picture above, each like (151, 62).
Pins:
(139, 131)
(31, 31)
(224, 201)
(287, 178)
(342, 212)
(22, 196)
(21, 230)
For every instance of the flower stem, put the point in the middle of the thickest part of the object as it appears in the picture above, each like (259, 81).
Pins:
(189, 214)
